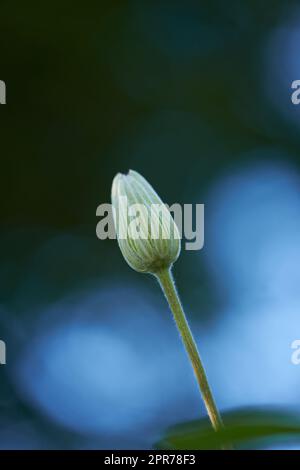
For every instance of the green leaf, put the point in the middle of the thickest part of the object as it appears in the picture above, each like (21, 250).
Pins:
(242, 427)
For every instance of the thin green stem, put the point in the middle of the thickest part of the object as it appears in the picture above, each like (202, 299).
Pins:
(168, 286)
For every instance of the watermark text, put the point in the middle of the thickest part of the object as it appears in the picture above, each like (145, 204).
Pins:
(138, 221)
(2, 92)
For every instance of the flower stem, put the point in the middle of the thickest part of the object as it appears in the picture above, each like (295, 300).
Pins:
(166, 281)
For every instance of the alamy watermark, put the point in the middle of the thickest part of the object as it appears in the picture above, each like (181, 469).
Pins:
(140, 222)
(2, 352)
(2, 92)
(295, 357)
(295, 96)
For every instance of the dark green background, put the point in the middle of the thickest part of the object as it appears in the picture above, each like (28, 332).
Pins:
(98, 87)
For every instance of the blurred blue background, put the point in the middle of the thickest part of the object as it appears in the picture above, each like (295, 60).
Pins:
(197, 98)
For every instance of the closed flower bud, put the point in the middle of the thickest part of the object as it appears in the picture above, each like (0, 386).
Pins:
(147, 234)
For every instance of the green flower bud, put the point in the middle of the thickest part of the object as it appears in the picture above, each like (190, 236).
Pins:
(147, 234)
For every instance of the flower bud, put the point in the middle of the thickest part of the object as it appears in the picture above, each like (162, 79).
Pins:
(147, 234)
